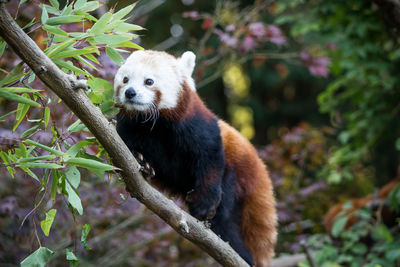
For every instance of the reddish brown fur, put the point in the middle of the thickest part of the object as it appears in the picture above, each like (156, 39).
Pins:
(258, 221)
(357, 204)
(188, 104)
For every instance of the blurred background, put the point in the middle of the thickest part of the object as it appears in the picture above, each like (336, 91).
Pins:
(314, 85)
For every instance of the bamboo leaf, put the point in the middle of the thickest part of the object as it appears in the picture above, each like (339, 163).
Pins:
(2, 47)
(44, 16)
(126, 27)
(42, 165)
(18, 98)
(111, 39)
(128, 44)
(16, 90)
(114, 56)
(7, 115)
(30, 159)
(55, 3)
(30, 131)
(55, 49)
(79, 3)
(89, 163)
(44, 147)
(46, 116)
(98, 27)
(123, 12)
(63, 20)
(73, 150)
(54, 30)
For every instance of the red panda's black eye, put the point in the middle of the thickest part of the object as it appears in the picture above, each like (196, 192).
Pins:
(126, 79)
(148, 82)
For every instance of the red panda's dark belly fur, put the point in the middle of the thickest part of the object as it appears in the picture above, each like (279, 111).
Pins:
(187, 155)
(179, 151)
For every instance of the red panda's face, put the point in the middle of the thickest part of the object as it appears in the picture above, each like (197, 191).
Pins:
(151, 80)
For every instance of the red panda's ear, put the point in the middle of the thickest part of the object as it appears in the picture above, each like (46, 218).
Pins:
(187, 62)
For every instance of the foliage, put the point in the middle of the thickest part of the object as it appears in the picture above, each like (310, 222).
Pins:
(363, 98)
(70, 36)
(368, 243)
(294, 162)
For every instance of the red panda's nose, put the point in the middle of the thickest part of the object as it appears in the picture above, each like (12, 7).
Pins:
(130, 93)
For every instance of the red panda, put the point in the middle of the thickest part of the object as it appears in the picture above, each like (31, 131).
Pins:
(195, 155)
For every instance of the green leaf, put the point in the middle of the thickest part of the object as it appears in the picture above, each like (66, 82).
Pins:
(39, 258)
(73, 198)
(30, 159)
(79, 3)
(381, 232)
(128, 44)
(46, 116)
(7, 115)
(43, 165)
(45, 16)
(111, 39)
(55, 49)
(21, 112)
(89, 163)
(31, 77)
(123, 12)
(98, 27)
(74, 176)
(84, 61)
(339, 225)
(6, 160)
(54, 30)
(55, 3)
(127, 27)
(102, 90)
(71, 258)
(63, 20)
(76, 126)
(18, 98)
(73, 150)
(115, 56)
(68, 65)
(2, 47)
(72, 52)
(30, 131)
(54, 183)
(52, 10)
(46, 223)
(16, 90)
(44, 147)
(89, 6)
(85, 233)
(31, 174)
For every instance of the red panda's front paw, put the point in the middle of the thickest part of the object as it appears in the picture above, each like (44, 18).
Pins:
(145, 167)
(202, 207)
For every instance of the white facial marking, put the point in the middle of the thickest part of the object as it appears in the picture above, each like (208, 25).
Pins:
(166, 72)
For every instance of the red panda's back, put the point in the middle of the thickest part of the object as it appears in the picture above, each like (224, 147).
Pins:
(258, 221)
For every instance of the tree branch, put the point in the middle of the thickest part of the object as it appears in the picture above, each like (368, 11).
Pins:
(105, 132)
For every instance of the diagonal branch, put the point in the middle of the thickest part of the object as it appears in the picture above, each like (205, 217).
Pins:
(91, 116)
